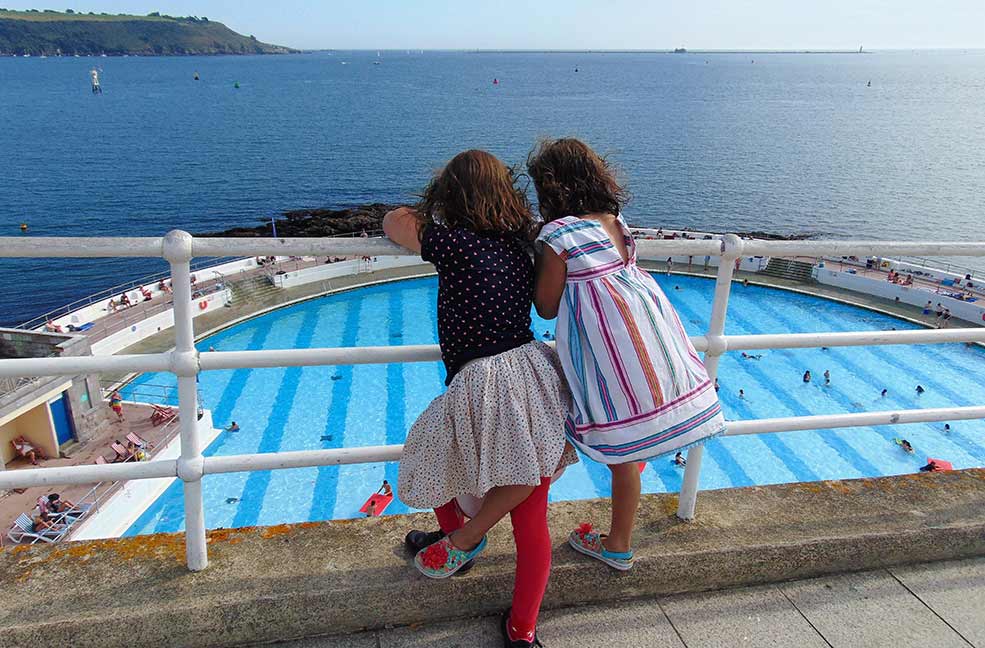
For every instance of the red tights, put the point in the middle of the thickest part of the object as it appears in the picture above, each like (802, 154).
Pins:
(533, 554)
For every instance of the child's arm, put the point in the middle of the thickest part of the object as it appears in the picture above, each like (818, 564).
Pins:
(403, 227)
(551, 274)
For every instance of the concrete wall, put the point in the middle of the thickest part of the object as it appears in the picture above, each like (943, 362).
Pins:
(342, 269)
(972, 312)
(93, 312)
(155, 324)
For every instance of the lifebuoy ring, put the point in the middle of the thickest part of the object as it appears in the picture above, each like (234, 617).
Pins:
(884, 264)
(203, 304)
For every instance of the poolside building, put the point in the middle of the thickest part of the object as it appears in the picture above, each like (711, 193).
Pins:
(49, 412)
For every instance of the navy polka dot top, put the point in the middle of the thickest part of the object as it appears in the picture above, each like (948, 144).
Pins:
(485, 290)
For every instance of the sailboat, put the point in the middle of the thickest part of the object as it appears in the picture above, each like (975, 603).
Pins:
(859, 49)
(377, 61)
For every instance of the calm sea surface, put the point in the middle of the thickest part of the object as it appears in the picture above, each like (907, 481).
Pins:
(785, 143)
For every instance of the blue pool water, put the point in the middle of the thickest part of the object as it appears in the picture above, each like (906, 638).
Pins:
(330, 407)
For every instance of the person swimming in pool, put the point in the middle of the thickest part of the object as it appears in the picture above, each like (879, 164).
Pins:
(232, 427)
(827, 377)
(884, 392)
(750, 356)
(385, 489)
(717, 386)
(679, 459)
(807, 376)
(920, 389)
(905, 445)
(742, 394)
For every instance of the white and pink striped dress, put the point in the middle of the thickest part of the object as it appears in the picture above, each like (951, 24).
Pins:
(639, 388)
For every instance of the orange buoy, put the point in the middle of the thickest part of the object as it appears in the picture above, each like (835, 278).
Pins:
(203, 304)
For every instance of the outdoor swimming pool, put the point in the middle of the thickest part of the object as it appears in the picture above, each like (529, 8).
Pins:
(330, 407)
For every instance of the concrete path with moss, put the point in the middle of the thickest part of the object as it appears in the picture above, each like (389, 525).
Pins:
(935, 604)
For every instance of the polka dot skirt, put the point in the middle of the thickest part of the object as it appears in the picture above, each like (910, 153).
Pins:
(501, 423)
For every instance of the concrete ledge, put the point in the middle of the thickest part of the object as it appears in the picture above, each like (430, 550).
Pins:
(290, 581)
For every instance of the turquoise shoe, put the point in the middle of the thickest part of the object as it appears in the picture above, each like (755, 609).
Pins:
(442, 559)
(588, 542)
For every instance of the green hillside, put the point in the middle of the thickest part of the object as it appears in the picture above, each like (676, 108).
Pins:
(52, 33)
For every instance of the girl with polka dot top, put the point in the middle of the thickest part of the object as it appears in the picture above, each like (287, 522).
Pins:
(497, 433)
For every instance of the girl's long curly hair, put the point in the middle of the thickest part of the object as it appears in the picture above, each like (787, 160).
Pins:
(572, 180)
(478, 192)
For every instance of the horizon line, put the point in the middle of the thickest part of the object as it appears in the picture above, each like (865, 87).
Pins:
(668, 50)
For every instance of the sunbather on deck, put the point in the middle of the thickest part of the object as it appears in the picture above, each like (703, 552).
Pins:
(54, 504)
(25, 448)
(43, 522)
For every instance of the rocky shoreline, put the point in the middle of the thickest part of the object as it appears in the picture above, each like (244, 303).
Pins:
(310, 223)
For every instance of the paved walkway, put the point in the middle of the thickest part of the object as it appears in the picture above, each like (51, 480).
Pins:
(937, 604)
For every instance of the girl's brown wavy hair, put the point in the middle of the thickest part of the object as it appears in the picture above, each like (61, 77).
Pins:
(572, 180)
(478, 192)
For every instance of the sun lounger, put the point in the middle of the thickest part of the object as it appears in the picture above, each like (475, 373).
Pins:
(162, 415)
(135, 439)
(23, 529)
(122, 454)
(100, 460)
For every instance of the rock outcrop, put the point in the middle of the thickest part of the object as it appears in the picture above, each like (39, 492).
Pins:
(318, 222)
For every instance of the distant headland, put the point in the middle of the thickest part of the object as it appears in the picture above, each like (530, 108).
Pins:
(69, 33)
(305, 223)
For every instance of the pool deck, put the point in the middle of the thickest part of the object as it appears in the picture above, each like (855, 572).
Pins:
(13, 503)
(862, 300)
(934, 604)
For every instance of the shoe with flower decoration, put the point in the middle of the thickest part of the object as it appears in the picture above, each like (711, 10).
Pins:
(585, 540)
(442, 559)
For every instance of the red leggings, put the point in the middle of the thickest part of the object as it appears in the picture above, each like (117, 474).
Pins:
(533, 553)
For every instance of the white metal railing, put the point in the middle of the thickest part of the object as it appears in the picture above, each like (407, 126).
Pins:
(178, 248)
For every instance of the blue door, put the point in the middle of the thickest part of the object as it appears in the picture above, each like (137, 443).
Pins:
(63, 421)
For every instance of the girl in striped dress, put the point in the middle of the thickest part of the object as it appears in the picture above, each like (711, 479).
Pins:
(639, 388)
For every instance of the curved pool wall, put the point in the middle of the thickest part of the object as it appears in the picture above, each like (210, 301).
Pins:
(300, 408)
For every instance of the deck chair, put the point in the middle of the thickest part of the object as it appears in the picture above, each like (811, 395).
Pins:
(122, 454)
(162, 414)
(23, 529)
(135, 439)
(74, 514)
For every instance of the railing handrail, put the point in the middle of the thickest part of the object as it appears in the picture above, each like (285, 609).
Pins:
(178, 248)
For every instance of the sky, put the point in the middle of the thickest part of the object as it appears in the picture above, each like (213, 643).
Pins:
(581, 24)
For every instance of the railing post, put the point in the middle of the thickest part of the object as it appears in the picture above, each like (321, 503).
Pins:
(178, 252)
(731, 251)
